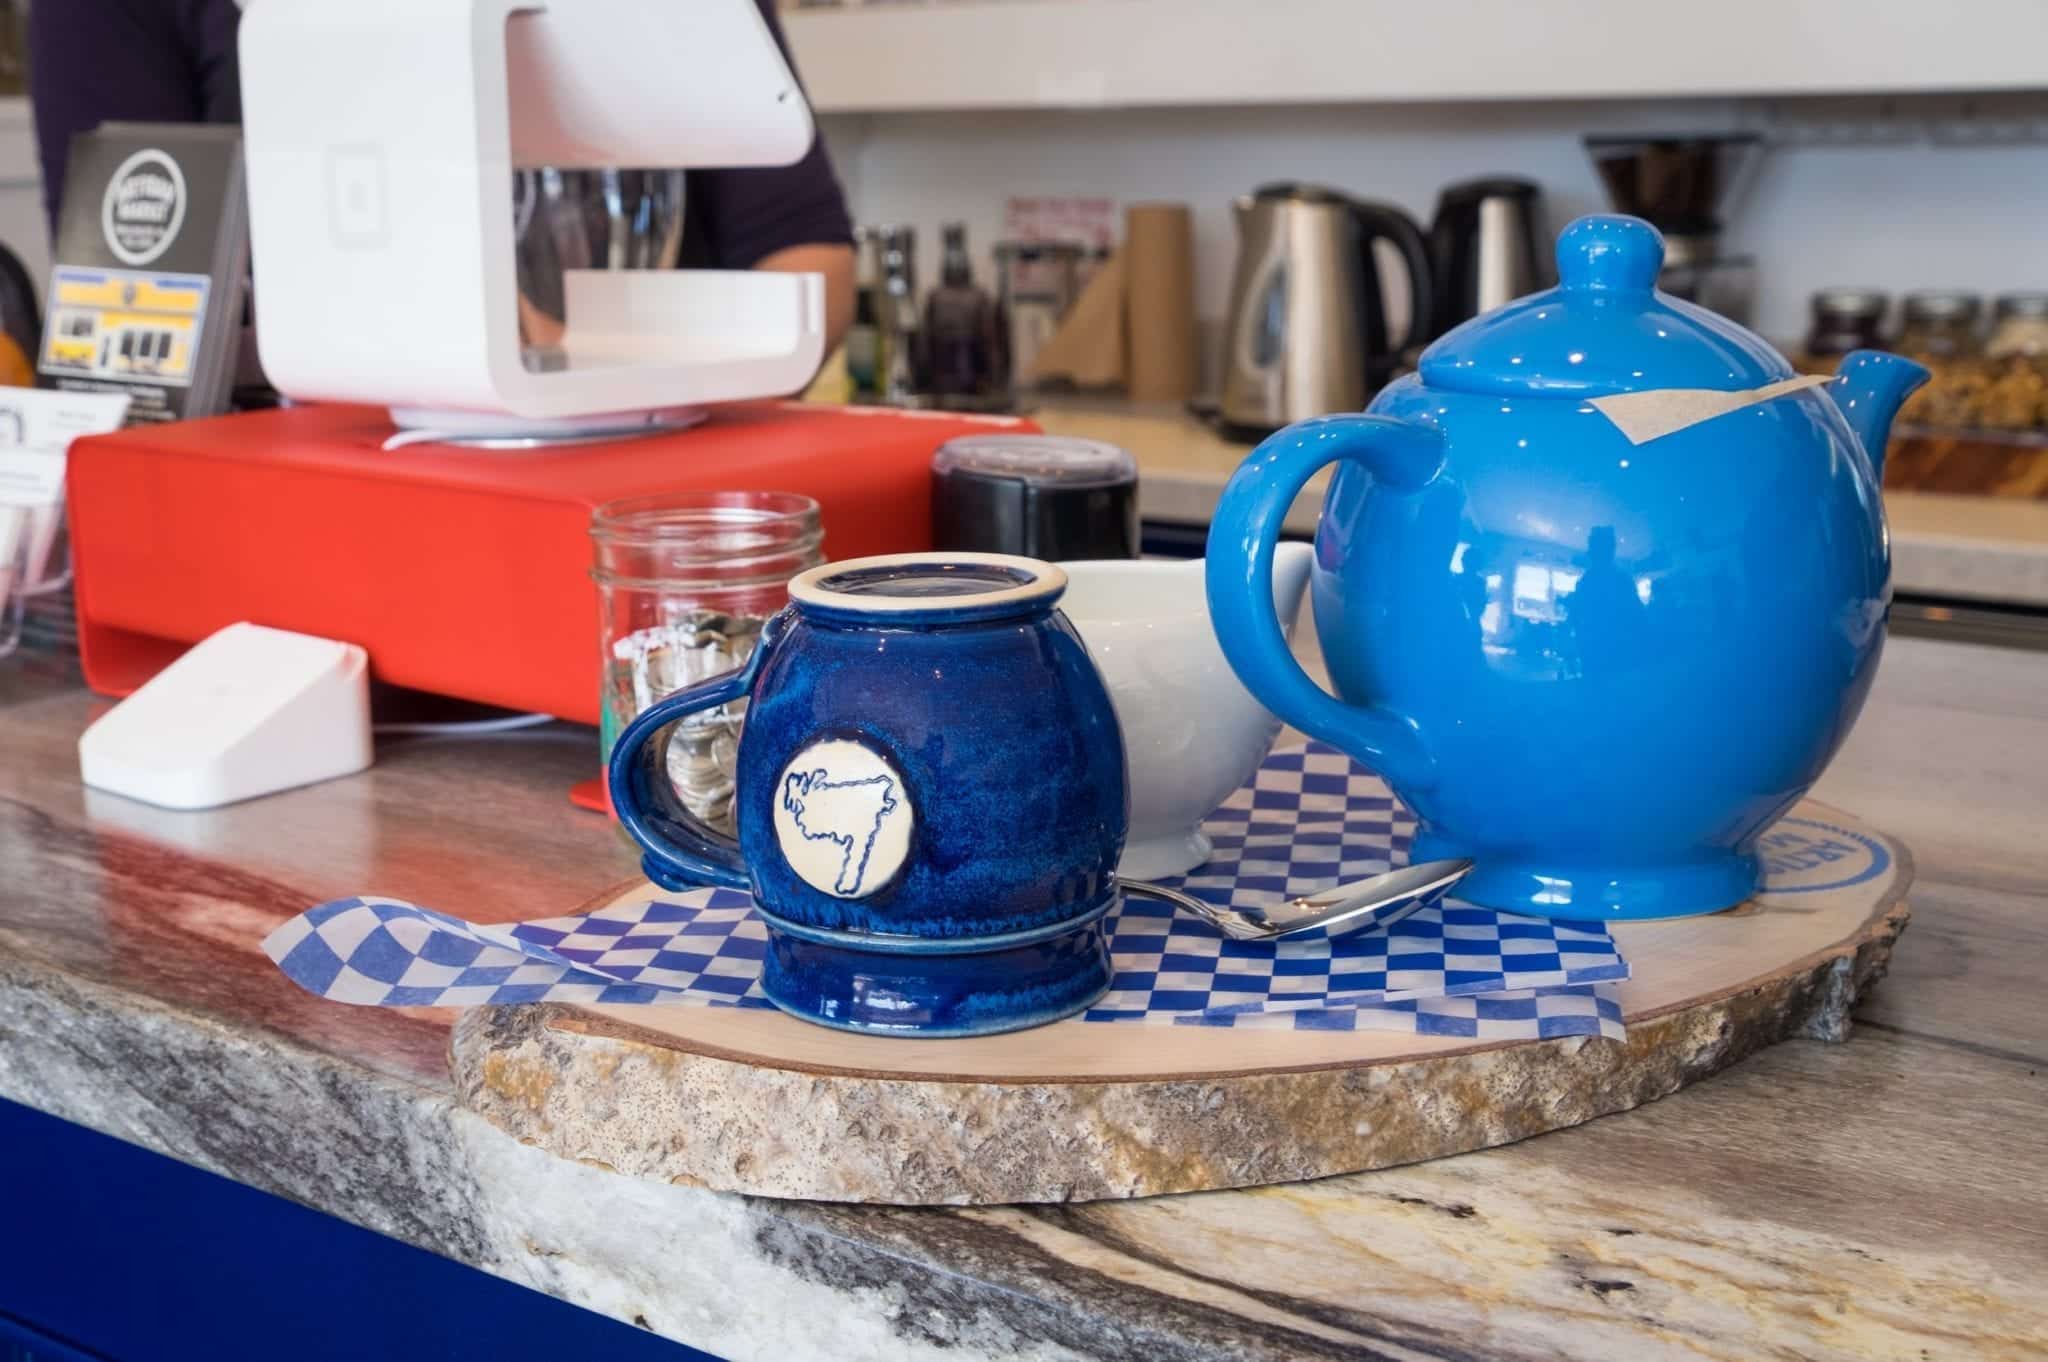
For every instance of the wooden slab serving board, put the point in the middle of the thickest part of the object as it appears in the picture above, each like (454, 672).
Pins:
(750, 1100)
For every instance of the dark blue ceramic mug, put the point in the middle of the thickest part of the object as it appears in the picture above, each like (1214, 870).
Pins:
(930, 798)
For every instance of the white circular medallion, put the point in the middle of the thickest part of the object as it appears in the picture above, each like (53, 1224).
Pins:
(843, 818)
(143, 207)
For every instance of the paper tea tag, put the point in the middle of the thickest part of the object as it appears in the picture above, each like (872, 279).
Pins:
(1647, 416)
(36, 429)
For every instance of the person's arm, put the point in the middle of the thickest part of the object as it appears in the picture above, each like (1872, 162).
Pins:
(146, 61)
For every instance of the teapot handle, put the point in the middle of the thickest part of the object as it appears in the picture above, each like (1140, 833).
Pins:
(680, 849)
(1400, 455)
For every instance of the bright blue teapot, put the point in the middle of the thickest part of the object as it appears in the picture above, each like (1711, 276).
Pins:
(1602, 588)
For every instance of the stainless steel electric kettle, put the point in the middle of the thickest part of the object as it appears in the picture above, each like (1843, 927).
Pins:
(1308, 330)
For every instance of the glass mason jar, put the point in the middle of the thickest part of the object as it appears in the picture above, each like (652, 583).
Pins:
(684, 583)
(2016, 355)
(1940, 324)
(1846, 319)
(2019, 327)
(1939, 328)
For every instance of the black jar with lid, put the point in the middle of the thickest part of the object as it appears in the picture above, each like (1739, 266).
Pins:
(1039, 496)
(1846, 319)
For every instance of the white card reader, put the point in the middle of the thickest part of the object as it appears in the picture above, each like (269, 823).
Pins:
(245, 712)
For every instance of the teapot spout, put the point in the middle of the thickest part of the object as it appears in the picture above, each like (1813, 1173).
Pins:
(1870, 386)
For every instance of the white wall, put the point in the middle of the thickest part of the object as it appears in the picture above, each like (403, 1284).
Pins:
(1897, 215)
(1908, 214)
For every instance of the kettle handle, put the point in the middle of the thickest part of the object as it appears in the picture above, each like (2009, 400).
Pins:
(1399, 454)
(680, 849)
(1384, 221)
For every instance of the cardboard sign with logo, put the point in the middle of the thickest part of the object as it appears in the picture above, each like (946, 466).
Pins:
(152, 255)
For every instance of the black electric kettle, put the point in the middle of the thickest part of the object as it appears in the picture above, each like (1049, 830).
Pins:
(1484, 248)
(1308, 330)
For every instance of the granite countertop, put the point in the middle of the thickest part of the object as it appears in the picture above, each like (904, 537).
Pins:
(1975, 548)
(1882, 1198)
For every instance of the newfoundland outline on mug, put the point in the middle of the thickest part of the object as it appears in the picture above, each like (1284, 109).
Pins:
(843, 818)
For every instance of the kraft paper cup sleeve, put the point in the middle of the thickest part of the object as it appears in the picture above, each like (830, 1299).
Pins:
(1159, 278)
(1088, 349)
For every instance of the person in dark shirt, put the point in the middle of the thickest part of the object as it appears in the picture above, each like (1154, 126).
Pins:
(173, 61)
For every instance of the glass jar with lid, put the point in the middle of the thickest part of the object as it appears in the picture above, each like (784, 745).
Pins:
(2019, 326)
(684, 582)
(1036, 282)
(2016, 397)
(1940, 324)
(1041, 496)
(1846, 319)
(1939, 328)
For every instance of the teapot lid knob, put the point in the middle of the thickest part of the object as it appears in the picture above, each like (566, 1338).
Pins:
(1610, 251)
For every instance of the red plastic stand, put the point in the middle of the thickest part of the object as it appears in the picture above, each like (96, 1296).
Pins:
(465, 572)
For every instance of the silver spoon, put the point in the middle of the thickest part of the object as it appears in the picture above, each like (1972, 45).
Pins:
(1377, 902)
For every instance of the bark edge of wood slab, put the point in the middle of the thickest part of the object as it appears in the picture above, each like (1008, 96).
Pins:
(751, 1101)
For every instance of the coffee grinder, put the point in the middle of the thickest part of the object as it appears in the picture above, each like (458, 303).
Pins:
(1684, 185)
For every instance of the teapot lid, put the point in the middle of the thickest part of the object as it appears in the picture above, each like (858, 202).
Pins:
(1604, 329)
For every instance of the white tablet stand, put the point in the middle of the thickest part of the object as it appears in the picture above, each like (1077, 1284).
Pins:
(381, 138)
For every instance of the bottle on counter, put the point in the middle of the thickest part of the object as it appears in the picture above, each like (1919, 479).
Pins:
(960, 339)
(864, 336)
(902, 367)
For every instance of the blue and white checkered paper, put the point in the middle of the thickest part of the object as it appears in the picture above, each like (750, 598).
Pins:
(1310, 819)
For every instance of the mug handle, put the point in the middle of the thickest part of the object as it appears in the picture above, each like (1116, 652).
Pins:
(1400, 455)
(680, 849)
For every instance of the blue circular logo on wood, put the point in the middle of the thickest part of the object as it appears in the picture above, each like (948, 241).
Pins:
(1807, 856)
